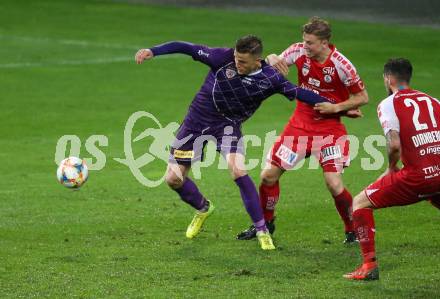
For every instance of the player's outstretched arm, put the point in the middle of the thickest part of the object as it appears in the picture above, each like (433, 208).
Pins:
(163, 49)
(213, 57)
(293, 92)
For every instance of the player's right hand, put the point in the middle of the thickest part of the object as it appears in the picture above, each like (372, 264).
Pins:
(143, 54)
(279, 63)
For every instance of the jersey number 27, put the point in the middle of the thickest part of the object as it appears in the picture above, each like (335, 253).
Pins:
(421, 126)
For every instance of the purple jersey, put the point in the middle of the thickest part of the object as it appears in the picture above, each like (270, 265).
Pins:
(226, 96)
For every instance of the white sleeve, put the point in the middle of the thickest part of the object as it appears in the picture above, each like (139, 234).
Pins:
(387, 115)
(292, 53)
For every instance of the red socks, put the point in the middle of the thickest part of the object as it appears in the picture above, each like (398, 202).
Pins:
(269, 196)
(343, 203)
(363, 223)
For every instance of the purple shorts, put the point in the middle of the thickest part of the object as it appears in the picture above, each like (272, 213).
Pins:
(190, 142)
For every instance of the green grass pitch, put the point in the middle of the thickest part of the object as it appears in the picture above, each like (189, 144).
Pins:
(67, 67)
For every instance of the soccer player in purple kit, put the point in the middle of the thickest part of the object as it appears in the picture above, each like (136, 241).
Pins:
(237, 83)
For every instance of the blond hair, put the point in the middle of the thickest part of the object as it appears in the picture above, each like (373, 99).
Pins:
(319, 27)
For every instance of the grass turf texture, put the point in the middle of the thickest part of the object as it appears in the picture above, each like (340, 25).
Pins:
(116, 238)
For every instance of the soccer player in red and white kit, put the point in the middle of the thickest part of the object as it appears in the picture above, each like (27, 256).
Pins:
(315, 130)
(410, 121)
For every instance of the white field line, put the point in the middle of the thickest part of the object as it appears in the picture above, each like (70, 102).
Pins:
(69, 42)
(81, 43)
(66, 62)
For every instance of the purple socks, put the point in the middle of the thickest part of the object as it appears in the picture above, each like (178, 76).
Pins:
(190, 194)
(251, 201)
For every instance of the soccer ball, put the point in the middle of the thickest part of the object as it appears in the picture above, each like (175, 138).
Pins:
(72, 172)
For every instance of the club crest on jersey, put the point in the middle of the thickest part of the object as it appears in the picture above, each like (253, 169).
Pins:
(330, 153)
(328, 78)
(305, 69)
(230, 73)
(286, 155)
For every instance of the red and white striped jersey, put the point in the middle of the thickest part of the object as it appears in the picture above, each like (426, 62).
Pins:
(416, 116)
(335, 79)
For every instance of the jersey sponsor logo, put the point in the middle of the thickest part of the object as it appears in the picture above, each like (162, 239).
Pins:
(328, 70)
(247, 80)
(202, 53)
(431, 171)
(426, 138)
(434, 149)
(286, 154)
(331, 152)
(230, 73)
(328, 78)
(179, 154)
(314, 82)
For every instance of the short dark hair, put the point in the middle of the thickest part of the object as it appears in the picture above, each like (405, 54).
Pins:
(400, 68)
(249, 44)
(319, 27)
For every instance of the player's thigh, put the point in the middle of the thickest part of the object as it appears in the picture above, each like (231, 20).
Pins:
(392, 190)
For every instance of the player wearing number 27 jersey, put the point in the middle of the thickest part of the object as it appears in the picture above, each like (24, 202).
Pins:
(410, 120)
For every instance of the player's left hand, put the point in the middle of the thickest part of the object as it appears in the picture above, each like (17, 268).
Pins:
(326, 108)
(143, 54)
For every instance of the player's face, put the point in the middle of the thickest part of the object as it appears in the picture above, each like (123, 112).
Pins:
(246, 63)
(313, 45)
(387, 83)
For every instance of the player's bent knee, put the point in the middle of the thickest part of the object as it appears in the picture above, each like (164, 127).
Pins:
(335, 186)
(238, 173)
(173, 181)
(269, 178)
(361, 201)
